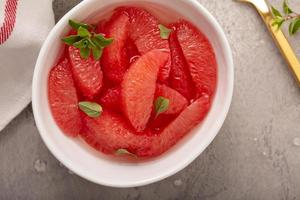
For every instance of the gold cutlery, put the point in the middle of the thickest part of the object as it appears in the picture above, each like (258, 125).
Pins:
(278, 36)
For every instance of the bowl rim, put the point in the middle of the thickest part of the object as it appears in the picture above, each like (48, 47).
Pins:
(217, 127)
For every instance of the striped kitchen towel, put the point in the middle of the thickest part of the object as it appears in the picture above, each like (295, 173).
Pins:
(24, 24)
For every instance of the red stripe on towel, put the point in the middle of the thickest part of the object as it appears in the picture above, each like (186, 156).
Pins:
(8, 25)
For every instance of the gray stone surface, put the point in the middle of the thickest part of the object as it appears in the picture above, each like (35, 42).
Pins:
(255, 155)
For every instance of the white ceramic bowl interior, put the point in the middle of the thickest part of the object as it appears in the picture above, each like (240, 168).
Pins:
(105, 170)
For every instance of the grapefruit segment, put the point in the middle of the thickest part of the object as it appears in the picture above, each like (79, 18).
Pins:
(144, 30)
(110, 132)
(63, 99)
(199, 55)
(145, 34)
(86, 73)
(114, 59)
(180, 78)
(138, 88)
(179, 127)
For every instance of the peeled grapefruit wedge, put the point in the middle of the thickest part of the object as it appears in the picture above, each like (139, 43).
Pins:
(63, 99)
(179, 127)
(199, 55)
(144, 30)
(138, 87)
(110, 132)
(145, 34)
(114, 59)
(180, 78)
(87, 73)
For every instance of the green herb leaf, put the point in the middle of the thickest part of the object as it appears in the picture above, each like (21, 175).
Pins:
(84, 43)
(91, 44)
(164, 32)
(161, 104)
(289, 16)
(103, 41)
(92, 109)
(96, 42)
(286, 9)
(294, 26)
(70, 40)
(124, 152)
(87, 41)
(276, 12)
(85, 52)
(83, 32)
(278, 21)
(76, 25)
(97, 53)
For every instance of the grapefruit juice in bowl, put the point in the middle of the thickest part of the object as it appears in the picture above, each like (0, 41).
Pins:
(154, 108)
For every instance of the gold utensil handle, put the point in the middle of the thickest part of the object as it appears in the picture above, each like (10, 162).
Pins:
(279, 37)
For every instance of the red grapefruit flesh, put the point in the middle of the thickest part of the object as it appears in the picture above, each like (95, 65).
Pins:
(180, 78)
(132, 51)
(145, 33)
(179, 127)
(164, 72)
(144, 30)
(199, 55)
(157, 124)
(111, 98)
(63, 99)
(101, 26)
(86, 73)
(110, 132)
(114, 59)
(138, 88)
(177, 101)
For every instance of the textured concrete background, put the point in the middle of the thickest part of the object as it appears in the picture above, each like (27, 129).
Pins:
(255, 155)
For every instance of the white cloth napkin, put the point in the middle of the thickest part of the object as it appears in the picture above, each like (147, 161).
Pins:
(24, 24)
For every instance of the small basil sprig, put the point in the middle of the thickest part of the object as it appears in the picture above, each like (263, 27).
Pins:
(288, 16)
(161, 105)
(86, 40)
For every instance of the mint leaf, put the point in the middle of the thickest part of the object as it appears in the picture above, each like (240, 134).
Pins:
(92, 109)
(161, 105)
(102, 41)
(286, 9)
(164, 31)
(83, 32)
(294, 26)
(97, 53)
(85, 52)
(76, 25)
(69, 40)
(124, 152)
(275, 12)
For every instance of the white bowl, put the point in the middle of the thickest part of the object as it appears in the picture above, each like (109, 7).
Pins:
(105, 170)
